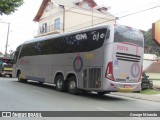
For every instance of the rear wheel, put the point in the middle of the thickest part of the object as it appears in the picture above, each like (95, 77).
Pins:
(72, 85)
(60, 83)
(40, 82)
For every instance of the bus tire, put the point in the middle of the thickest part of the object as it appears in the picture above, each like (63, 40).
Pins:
(72, 85)
(60, 83)
(20, 79)
(40, 82)
(101, 93)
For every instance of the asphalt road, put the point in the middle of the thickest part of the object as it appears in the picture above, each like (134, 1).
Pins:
(31, 96)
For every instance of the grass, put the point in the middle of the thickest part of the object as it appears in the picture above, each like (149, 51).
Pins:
(150, 92)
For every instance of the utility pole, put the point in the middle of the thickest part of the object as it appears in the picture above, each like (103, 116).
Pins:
(7, 40)
(6, 46)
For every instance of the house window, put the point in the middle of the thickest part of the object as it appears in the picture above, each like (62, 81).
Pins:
(57, 24)
(43, 28)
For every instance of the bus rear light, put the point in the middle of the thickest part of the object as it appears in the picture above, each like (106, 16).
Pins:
(109, 71)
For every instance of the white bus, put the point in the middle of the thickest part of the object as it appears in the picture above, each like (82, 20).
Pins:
(100, 59)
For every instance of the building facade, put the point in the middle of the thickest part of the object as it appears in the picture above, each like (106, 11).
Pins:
(58, 16)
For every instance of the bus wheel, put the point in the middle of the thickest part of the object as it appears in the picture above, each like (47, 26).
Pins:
(72, 85)
(60, 83)
(40, 82)
(101, 93)
(20, 79)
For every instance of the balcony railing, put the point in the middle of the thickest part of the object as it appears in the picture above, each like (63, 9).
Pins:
(51, 29)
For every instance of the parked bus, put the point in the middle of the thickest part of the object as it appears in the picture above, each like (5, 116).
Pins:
(101, 59)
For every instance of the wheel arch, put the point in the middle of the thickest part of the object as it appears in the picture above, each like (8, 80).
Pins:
(56, 74)
(70, 75)
(18, 71)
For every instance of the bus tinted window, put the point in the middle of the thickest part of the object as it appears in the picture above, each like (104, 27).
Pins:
(127, 34)
(16, 54)
(81, 42)
(96, 39)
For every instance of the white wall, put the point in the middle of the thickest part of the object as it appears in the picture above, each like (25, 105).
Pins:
(75, 18)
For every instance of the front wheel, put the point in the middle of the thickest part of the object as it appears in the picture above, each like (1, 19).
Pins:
(72, 85)
(20, 78)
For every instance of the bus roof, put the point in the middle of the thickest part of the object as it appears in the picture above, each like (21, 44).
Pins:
(69, 33)
(62, 34)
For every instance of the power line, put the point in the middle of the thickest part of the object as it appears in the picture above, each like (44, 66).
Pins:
(101, 18)
(148, 4)
(140, 11)
(131, 14)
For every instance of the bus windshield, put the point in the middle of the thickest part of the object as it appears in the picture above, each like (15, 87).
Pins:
(129, 35)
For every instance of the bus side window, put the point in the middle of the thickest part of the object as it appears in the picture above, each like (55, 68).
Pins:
(96, 39)
(15, 57)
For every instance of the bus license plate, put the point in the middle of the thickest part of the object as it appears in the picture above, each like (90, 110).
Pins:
(127, 86)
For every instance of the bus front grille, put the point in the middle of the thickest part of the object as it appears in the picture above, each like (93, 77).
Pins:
(128, 57)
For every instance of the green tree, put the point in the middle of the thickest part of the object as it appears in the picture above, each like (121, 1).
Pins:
(9, 6)
(149, 44)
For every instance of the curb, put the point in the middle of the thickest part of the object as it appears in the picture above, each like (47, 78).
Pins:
(154, 98)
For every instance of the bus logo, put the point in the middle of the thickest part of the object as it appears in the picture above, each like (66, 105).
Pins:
(78, 64)
(81, 36)
(135, 70)
(122, 48)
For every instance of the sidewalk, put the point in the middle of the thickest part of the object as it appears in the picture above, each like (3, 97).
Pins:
(155, 98)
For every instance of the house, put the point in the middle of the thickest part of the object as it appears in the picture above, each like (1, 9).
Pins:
(58, 16)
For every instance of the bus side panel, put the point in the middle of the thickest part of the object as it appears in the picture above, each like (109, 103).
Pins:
(90, 77)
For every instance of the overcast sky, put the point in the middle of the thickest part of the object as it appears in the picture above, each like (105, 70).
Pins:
(22, 26)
